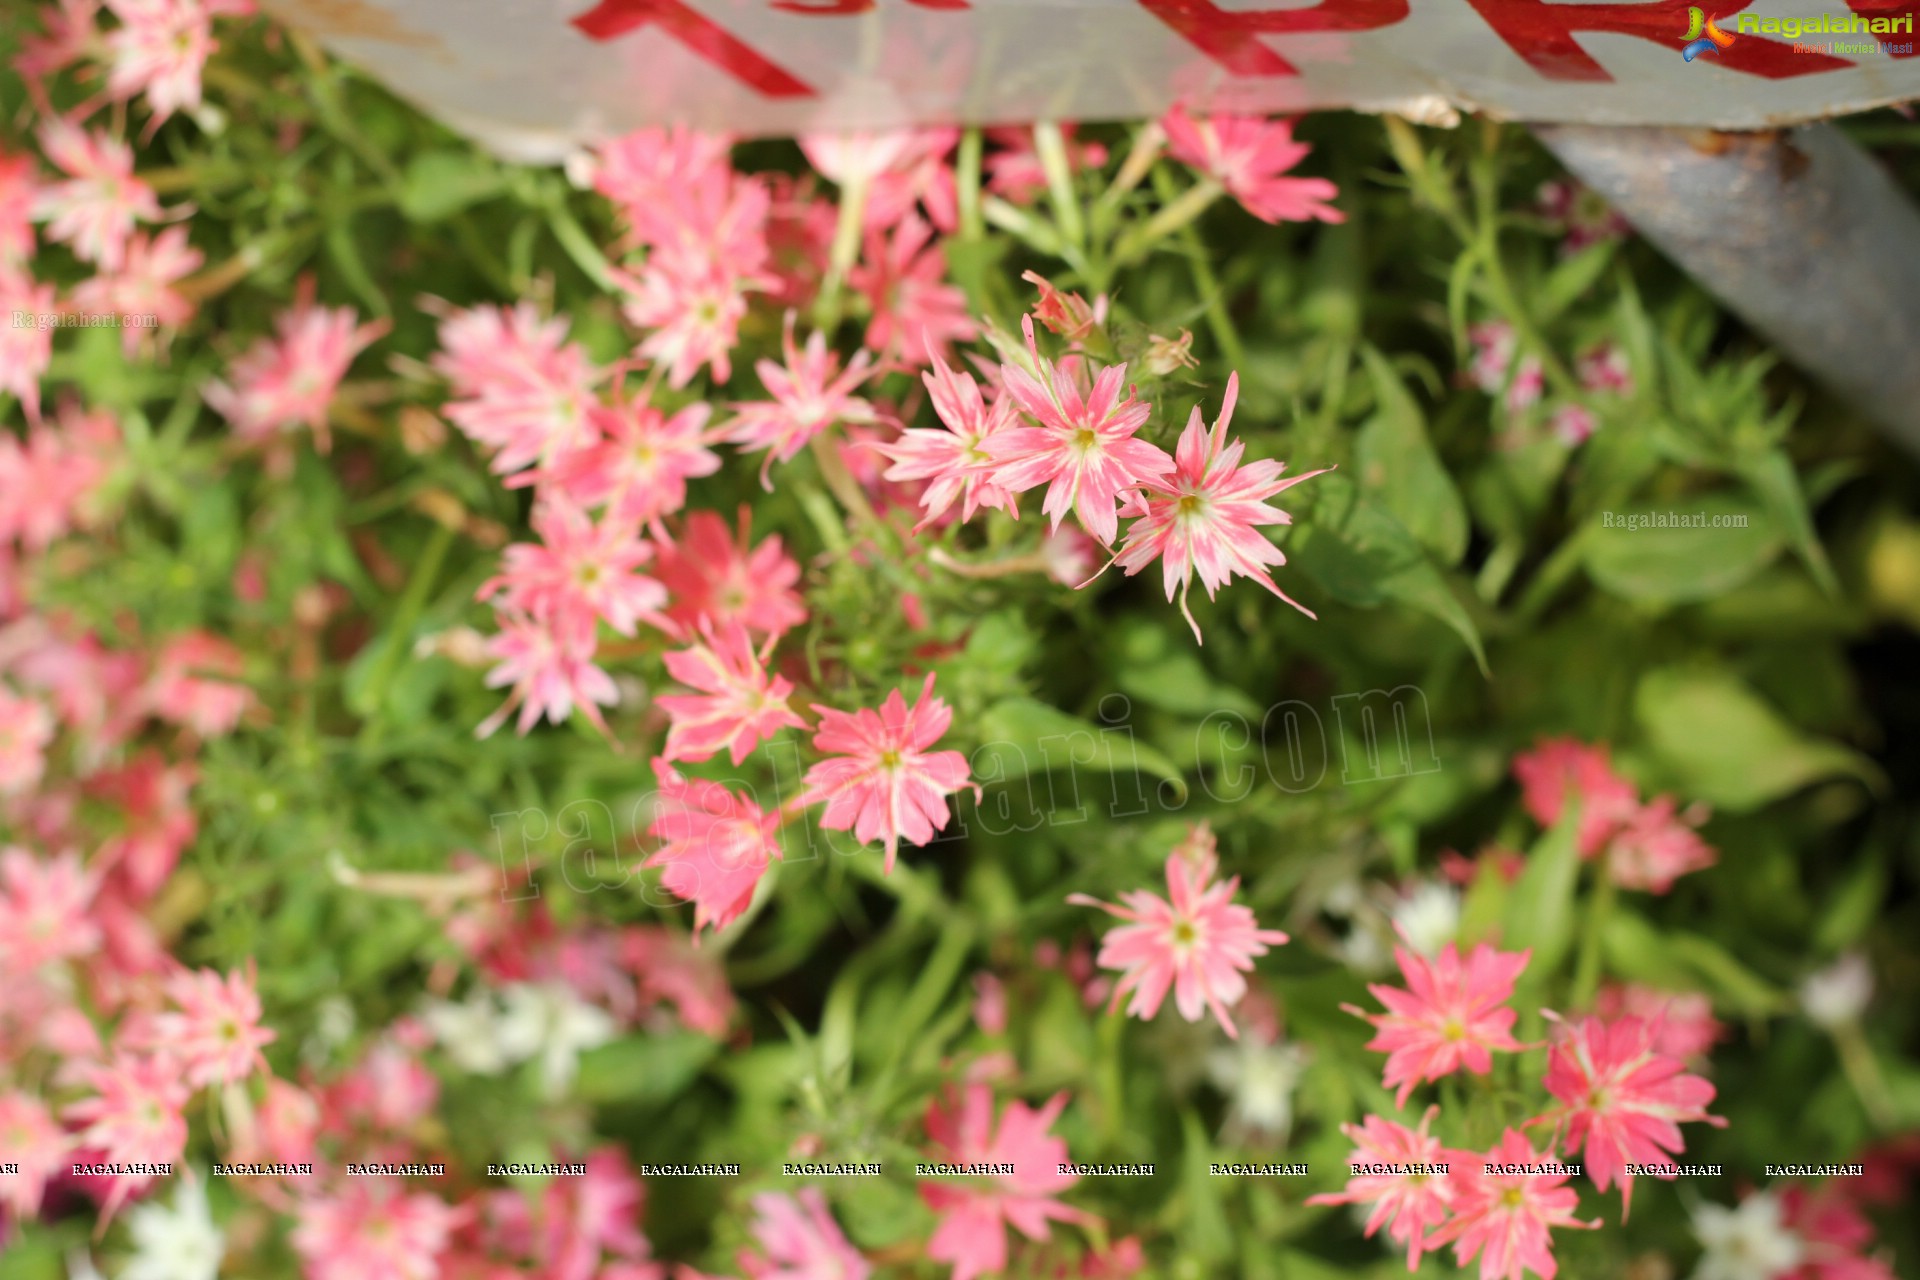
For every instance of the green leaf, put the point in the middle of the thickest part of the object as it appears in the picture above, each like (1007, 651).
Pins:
(1571, 278)
(1669, 960)
(1207, 1235)
(1722, 744)
(1631, 559)
(1045, 737)
(1163, 671)
(1854, 905)
(1397, 463)
(1773, 477)
(1361, 555)
(438, 184)
(643, 1068)
(1540, 912)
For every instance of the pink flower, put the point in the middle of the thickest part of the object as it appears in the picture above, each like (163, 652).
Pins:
(18, 189)
(1647, 846)
(135, 1116)
(70, 33)
(144, 286)
(715, 845)
(26, 727)
(25, 349)
(1507, 1219)
(739, 703)
(551, 671)
(712, 575)
(286, 1127)
(1557, 766)
(1408, 1205)
(216, 1036)
(1449, 1017)
(1584, 216)
(916, 314)
(1621, 1099)
(369, 1228)
(1495, 344)
(1250, 157)
(158, 821)
(640, 467)
(1604, 368)
(1574, 424)
(666, 967)
(1656, 846)
(581, 572)
(45, 910)
(584, 1216)
(894, 167)
(194, 683)
(799, 1240)
(159, 49)
(47, 481)
(94, 691)
(1084, 449)
(1834, 1235)
(648, 171)
(886, 785)
(1683, 1021)
(32, 1140)
(1207, 515)
(810, 394)
(1067, 314)
(289, 380)
(974, 1215)
(1196, 941)
(956, 460)
(519, 386)
(693, 310)
(95, 210)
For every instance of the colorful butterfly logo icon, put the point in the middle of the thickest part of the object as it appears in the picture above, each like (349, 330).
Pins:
(1698, 22)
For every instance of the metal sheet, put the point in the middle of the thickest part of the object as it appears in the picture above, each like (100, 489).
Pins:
(534, 78)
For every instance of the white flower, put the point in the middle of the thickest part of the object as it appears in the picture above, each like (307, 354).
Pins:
(180, 1243)
(549, 1019)
(469, 1032)
(1837, 995)
(1364, 952)
(1748, 1243)
(1259, 1081)
(1428, 916)
(333, 1025)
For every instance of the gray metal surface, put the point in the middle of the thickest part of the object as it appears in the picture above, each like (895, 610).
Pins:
(1799, 232)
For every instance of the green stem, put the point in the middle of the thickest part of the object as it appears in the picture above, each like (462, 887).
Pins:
(967, 176)
(1051, 147)
(1863, 1073)
(425, 570)
(578, 244)
(1586, 974)
(845, 251)
(1177, 214)
(1201, 265)
(840, 481)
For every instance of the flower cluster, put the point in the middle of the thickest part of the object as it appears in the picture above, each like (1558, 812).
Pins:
(703, 462)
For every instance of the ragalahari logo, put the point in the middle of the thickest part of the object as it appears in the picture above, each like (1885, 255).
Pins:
(1698, 43)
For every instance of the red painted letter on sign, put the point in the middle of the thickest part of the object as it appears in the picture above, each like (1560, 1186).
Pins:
(1543, 34)
(1229, 37)
(611, 19)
